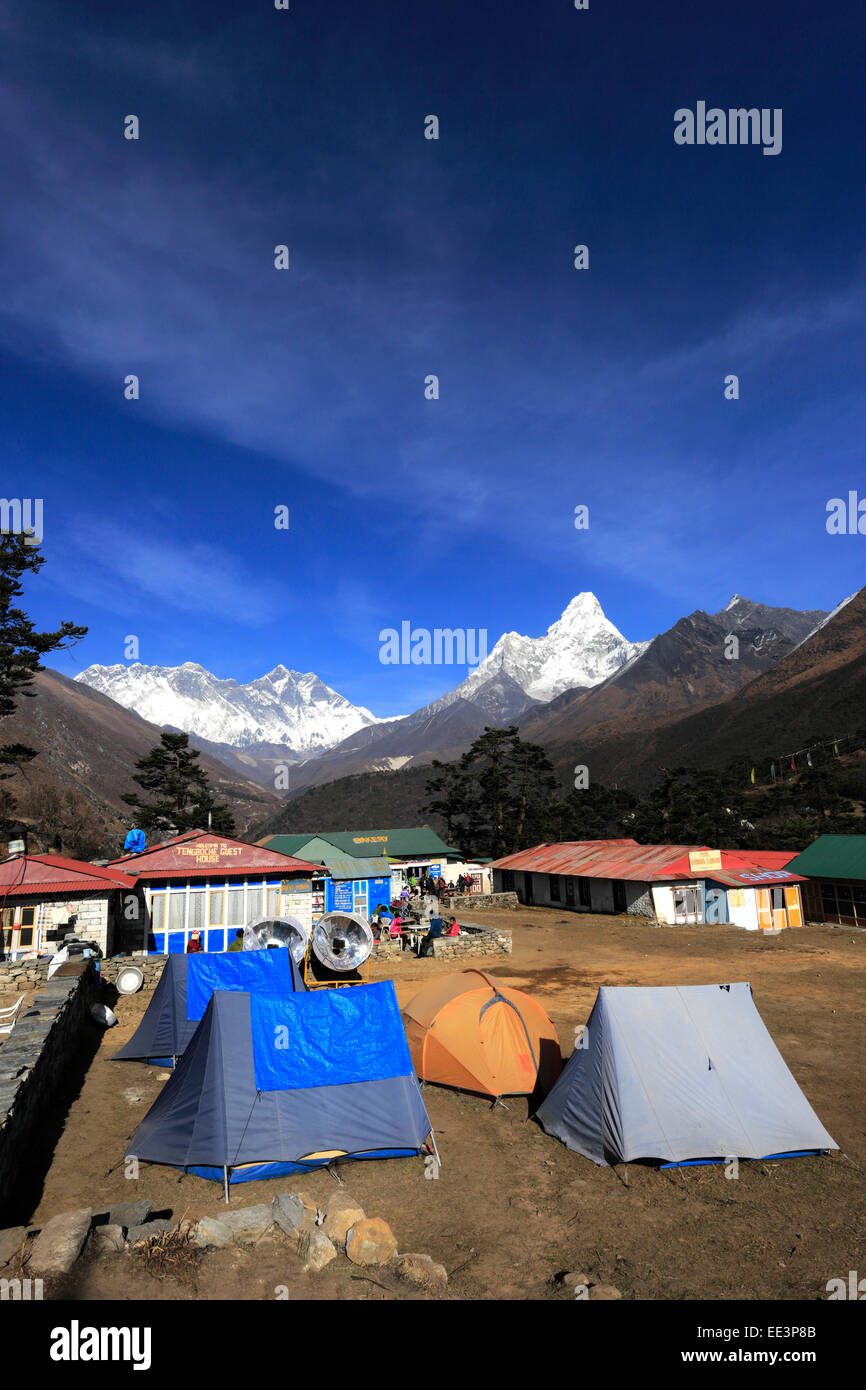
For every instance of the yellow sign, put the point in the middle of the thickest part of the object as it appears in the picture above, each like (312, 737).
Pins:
(369, 839)
(705, 859)
(210, 853)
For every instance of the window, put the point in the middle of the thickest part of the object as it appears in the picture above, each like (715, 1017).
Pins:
(554, 888)
(215, 914)
(235, 915)
(28, 916)
(508, 880)
(569, 892)
(25, 936)
(196, 911)
(157, 911)
(176, 911)
(273, 908)
(584, 892)
(619, 900)
(254, 903)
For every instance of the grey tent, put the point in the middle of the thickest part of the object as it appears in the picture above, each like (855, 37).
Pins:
(676, 1074)
(272, 1084)
(184, 989)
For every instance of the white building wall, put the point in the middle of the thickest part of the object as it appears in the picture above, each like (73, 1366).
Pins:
(663, 901)
(743, 908)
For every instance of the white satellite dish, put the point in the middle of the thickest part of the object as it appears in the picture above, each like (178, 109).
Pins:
(267, 932)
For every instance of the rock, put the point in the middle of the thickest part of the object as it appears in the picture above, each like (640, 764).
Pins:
(209, 1231)
(293, 1212)
(315, 1249)
(422, 1271)
(164, 1076)
(132, 1096)
(11, 1241)
(130, 1213)
(107, 1239)
(248, 1223)
(341, 1214)
(371, 1242)
(574, 1279)
(136, 1234)
(59, 1243)
(604, 1293)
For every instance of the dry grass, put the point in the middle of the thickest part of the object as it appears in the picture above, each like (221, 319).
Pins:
(170, 1254)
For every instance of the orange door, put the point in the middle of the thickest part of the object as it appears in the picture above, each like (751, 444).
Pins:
(792, 903)
(765, 908)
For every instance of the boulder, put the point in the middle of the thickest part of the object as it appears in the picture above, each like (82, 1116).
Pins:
(136, 1234)
(11, 1241)
(249, 1223)
(294, 1212)
(59, 1243)
(106, 1240)
(209, 1231)
(604, 1293)
(315, 1249)
(130, 1213)
(422, 1271)
(341, 1213)
(371, 1242)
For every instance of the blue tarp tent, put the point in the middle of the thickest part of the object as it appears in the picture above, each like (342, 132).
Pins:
(679, 1074)
(273, 1084)
(184, 990)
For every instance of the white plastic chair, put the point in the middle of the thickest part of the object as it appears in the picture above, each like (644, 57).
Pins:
(8, 1016)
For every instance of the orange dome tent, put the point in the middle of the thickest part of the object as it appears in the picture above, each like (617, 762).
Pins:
(471, 1032)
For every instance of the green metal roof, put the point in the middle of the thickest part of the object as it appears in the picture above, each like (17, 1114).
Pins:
(418, 842)
(833, 856)
(343, 869)
(311, 847)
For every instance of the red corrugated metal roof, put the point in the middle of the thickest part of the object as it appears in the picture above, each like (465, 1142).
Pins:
(198, 853)
(52, 873)
(624, 859)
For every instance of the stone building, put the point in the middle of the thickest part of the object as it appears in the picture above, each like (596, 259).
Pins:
(40, 892)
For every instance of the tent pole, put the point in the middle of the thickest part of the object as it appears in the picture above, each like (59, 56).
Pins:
(435, 1150)
(226, 1174)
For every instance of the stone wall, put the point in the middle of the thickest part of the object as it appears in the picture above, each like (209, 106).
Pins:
(151, 968)
(473, 941)
(17, 976)
(508, 901)
(34, 1061)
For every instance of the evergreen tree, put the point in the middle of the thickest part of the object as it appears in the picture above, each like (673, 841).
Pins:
(499, 795)
(180, 795)
(21, 648)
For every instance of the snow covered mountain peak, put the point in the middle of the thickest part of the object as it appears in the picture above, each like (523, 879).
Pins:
(582, 648)
(292, 708)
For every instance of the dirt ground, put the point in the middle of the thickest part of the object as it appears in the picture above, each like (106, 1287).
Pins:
(512, 1208)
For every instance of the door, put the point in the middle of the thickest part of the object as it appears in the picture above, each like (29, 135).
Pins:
(527, 888)
(619, 902)
(569, 892)
(792, 904)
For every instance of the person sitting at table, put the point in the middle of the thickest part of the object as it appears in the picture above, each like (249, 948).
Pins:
(453, 928)
(435, 931)
(395, 926)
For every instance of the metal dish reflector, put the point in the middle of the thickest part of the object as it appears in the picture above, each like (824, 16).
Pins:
(342, 940)
(266, 932)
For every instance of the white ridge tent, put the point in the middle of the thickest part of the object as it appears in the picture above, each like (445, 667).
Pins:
(679, 1073)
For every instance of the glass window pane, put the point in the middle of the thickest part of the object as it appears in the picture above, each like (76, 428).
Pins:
(176, 911)
(254, 903)
(157, 911)
(216, 909)
(196, 911)
(235, 914)
(273, 902)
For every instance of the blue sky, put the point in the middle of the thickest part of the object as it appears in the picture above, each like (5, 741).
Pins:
(410, 257)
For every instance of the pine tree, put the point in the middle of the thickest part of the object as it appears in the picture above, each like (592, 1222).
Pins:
(21, 648)
(180, 795)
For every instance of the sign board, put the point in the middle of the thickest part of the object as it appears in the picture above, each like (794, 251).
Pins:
(343, 901)
(296, 885)
(705, 859)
